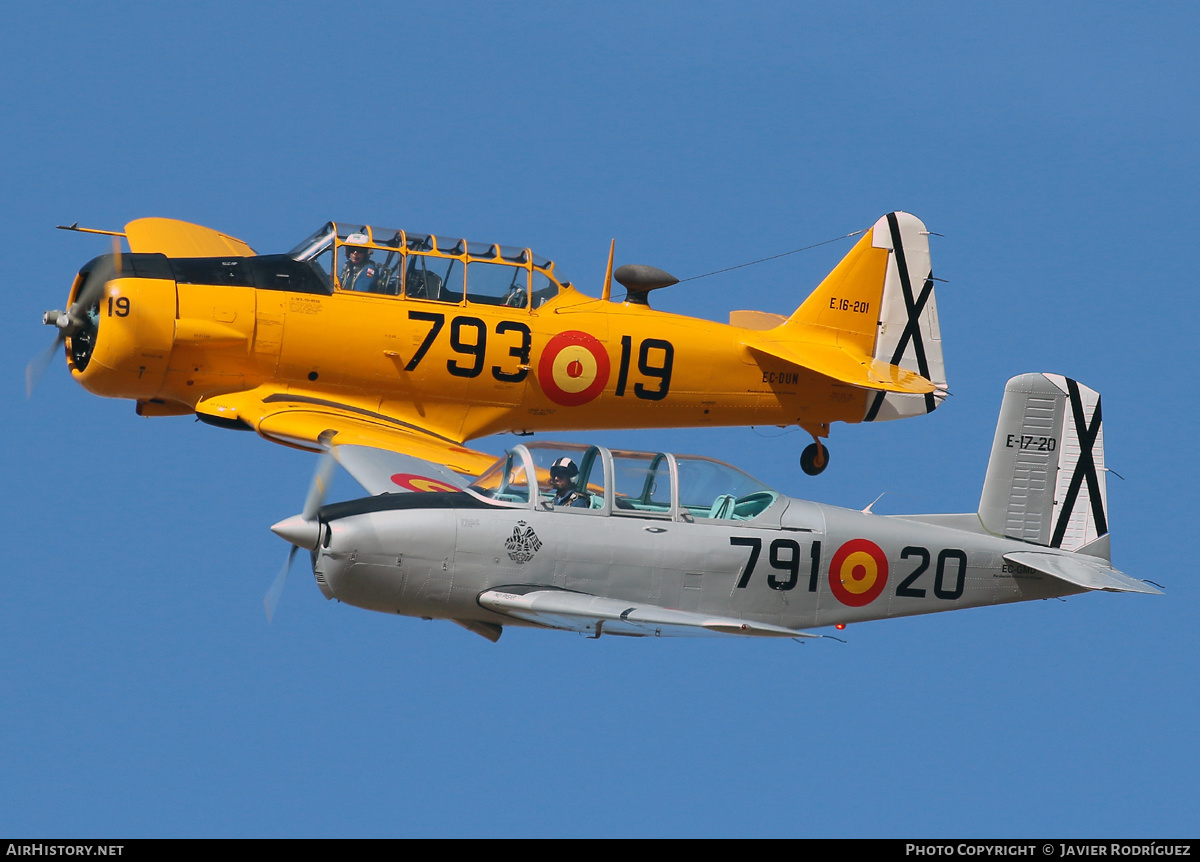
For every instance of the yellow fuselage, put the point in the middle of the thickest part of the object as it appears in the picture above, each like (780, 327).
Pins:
(485, 370)
(435, 342)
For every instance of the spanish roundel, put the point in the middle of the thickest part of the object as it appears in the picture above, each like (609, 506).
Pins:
(415, 482)
(573, 369)
(858, 573)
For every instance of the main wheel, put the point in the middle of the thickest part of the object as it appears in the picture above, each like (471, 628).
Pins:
(814, 459)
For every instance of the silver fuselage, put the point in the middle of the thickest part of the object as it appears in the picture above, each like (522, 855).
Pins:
(434, 557)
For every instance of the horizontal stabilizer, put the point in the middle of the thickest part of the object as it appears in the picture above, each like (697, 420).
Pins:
(383, 472)
(580, 612)
(860, 370)
(1087, 572)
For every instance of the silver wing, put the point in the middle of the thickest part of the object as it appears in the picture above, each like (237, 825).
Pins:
(381, 471)
(580, 612)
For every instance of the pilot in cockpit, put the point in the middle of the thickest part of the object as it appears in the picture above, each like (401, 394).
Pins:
(360, 272)
(563, 473)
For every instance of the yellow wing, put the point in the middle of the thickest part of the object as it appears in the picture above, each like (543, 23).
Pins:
(309, 422)
(176, 238)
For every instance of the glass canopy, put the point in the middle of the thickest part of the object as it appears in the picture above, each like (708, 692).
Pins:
(625, 483)
(392, 262)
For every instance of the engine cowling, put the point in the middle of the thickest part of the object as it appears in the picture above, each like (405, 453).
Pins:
(123, 349)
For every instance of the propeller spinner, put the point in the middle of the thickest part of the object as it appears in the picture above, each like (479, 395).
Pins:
(302, 531)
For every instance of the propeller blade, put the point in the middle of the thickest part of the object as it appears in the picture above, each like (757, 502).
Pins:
(320, 484)
(89, 293)
(271, 599)
(75, 317)
(37, 366)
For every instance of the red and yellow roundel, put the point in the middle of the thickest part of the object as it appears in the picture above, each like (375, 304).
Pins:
(573, 369)
(858, 573)
(415, 482)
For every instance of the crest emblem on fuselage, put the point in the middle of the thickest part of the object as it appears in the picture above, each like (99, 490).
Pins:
(522, 544)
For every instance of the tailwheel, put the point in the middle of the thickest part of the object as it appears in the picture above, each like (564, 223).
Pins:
(814, 459)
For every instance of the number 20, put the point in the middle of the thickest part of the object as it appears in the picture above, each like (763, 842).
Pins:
(906, 587)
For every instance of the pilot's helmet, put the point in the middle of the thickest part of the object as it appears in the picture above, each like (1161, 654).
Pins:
(564, 467)
(358, 241)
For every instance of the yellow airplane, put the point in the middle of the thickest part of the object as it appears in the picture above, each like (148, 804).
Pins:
(419, 343)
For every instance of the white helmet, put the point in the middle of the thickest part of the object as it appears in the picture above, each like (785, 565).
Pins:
(564, 466)
(359, 239)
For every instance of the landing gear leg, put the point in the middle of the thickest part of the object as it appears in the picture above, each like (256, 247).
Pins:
(814, 459)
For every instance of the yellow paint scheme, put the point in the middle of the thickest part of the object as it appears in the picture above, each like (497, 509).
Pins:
(857, 278)
(181, 239)
(300, 367)
(758, 320)
(131, 360)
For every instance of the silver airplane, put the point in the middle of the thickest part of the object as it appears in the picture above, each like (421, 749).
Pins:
(608, 542)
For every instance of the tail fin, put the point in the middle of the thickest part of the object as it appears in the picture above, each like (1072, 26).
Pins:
(878, 303)
(1045, 480)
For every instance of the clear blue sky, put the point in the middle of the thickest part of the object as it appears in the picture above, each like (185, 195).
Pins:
(1053, 145)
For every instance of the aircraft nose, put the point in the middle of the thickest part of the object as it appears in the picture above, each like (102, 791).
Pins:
(300, 531)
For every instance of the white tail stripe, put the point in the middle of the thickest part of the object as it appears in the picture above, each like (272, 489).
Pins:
(907, 333)
(1080, 495)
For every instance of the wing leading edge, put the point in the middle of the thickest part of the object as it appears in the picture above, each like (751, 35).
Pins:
(176, 238)
(579, 612)
(308, 422)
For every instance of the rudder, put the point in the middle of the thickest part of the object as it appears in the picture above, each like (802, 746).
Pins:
(907, 334)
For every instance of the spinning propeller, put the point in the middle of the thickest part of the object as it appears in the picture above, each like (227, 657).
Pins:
(75, 319)
(303, 530)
